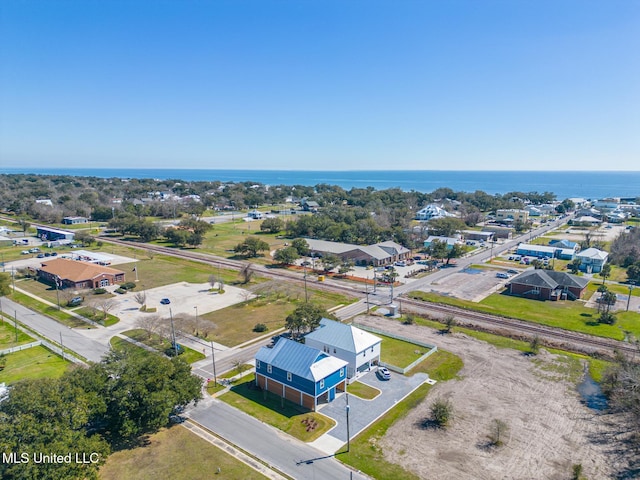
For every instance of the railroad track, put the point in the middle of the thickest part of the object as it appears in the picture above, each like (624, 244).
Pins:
(526, 328)
(567, 338)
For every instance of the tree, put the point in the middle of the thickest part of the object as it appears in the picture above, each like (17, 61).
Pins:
(301, 245)
(450, 322)
(286, 255)
(442, 412)
(305, 317)
(456, 251)
(498, 430)
(330, 261)
(176, 236)
(106, 306)
(5, 284)
(534, 345)
(345, 268)
(605, 272)
(84, 237)
(149, 323)
(446, 227)
(438, 249)
(606, 300)
(246, 272)
(141, 298)
(272, 225)
(251, 246)
(633, 273)
(24, 224)
(212, 281)
(574, 266)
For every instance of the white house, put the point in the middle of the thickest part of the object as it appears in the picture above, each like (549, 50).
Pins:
(432, 211)
(592, 260)
(359, 348)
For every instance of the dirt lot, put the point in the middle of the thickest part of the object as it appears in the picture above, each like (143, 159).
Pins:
(550, 429)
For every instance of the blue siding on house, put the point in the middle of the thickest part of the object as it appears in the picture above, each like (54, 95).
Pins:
(280, 375)
(330, 382)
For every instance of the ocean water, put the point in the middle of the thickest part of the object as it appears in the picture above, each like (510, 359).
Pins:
(565, 184)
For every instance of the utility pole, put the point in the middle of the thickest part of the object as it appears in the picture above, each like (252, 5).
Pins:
(631, 285)
(366, 285)
(173, 334)
(197, 330)
(61, 345)
(15, 323)
(348, 435)
(306, 295)
(213, 360)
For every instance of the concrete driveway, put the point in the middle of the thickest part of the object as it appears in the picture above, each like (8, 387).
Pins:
(363, 413)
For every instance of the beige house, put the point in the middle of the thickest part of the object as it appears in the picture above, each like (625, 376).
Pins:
(511, 214)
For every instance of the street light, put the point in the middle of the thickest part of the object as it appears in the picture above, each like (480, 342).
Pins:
(213, 360)
(347, 411)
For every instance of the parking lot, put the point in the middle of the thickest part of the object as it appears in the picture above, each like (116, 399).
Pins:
(363, 413)
(472, 284)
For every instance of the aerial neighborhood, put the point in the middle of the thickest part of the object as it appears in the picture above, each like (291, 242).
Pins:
(303, 332)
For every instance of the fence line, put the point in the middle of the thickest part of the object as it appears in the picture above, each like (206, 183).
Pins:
(432, 348)
(21, 347)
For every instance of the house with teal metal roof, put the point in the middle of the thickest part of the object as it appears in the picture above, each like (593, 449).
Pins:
(302, 374)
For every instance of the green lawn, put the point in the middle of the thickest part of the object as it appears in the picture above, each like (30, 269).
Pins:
(234, 324)
(278, 413)
(8, 335)
(49, 311)
(178, 454)
(97, 316)
(399, 352)
(365, 454)
(567, 314)
(361, 390)
(32, 363)
(118, 343)
(162, 344)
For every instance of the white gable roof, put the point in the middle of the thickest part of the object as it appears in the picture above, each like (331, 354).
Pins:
(343, 336)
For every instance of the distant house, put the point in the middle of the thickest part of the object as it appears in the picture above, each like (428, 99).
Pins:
(450, 241)
(46, 233)
(510, 215)
(592, 260)
(309, 205)
(255, 214)
(543, 251)
(476, 235)
(74, 220)
(548, 285)
(302, 374)
(73, 274)
(499, 232)
(359, 348)
(383, 253)
(45, 201)
(562, 243)
(432, 211)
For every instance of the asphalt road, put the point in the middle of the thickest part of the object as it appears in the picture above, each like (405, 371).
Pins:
(52, 330)
(285, 453)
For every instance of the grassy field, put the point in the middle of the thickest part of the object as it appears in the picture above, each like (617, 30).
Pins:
(121, 344)
(361, 390)
(365, 454)
(234, 324)
(274, 411)
(175, 453)
(8, 335)
(97, 316)
(562, 314)
(32, 363)
(223, 237)
(161, 344)
(597, 367)
(398, 352)
(49, 310)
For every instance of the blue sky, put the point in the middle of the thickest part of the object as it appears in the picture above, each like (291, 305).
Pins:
(321, 85)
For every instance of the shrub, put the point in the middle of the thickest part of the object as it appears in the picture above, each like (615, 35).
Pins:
(128, 286)
(99, 291)
(120, 290)
(260, 327)
(442, 412)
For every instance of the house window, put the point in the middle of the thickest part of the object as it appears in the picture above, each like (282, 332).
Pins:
(321, 383)
(342, 372)
(288, 376)
(371, 349)
(257, 363)
(268, 368)
(334, 350)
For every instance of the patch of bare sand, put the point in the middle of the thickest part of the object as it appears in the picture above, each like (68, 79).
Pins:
(549, 428)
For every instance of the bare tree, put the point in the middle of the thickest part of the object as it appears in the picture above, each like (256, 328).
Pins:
(246, 295)
(150, 254)
(246, 273)
(141, 299)
(449, 322)
(106, 306)
(498, 431)
(149, 323)
(212, 281)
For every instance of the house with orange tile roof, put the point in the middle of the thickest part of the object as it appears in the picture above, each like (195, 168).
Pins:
(73, 274)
